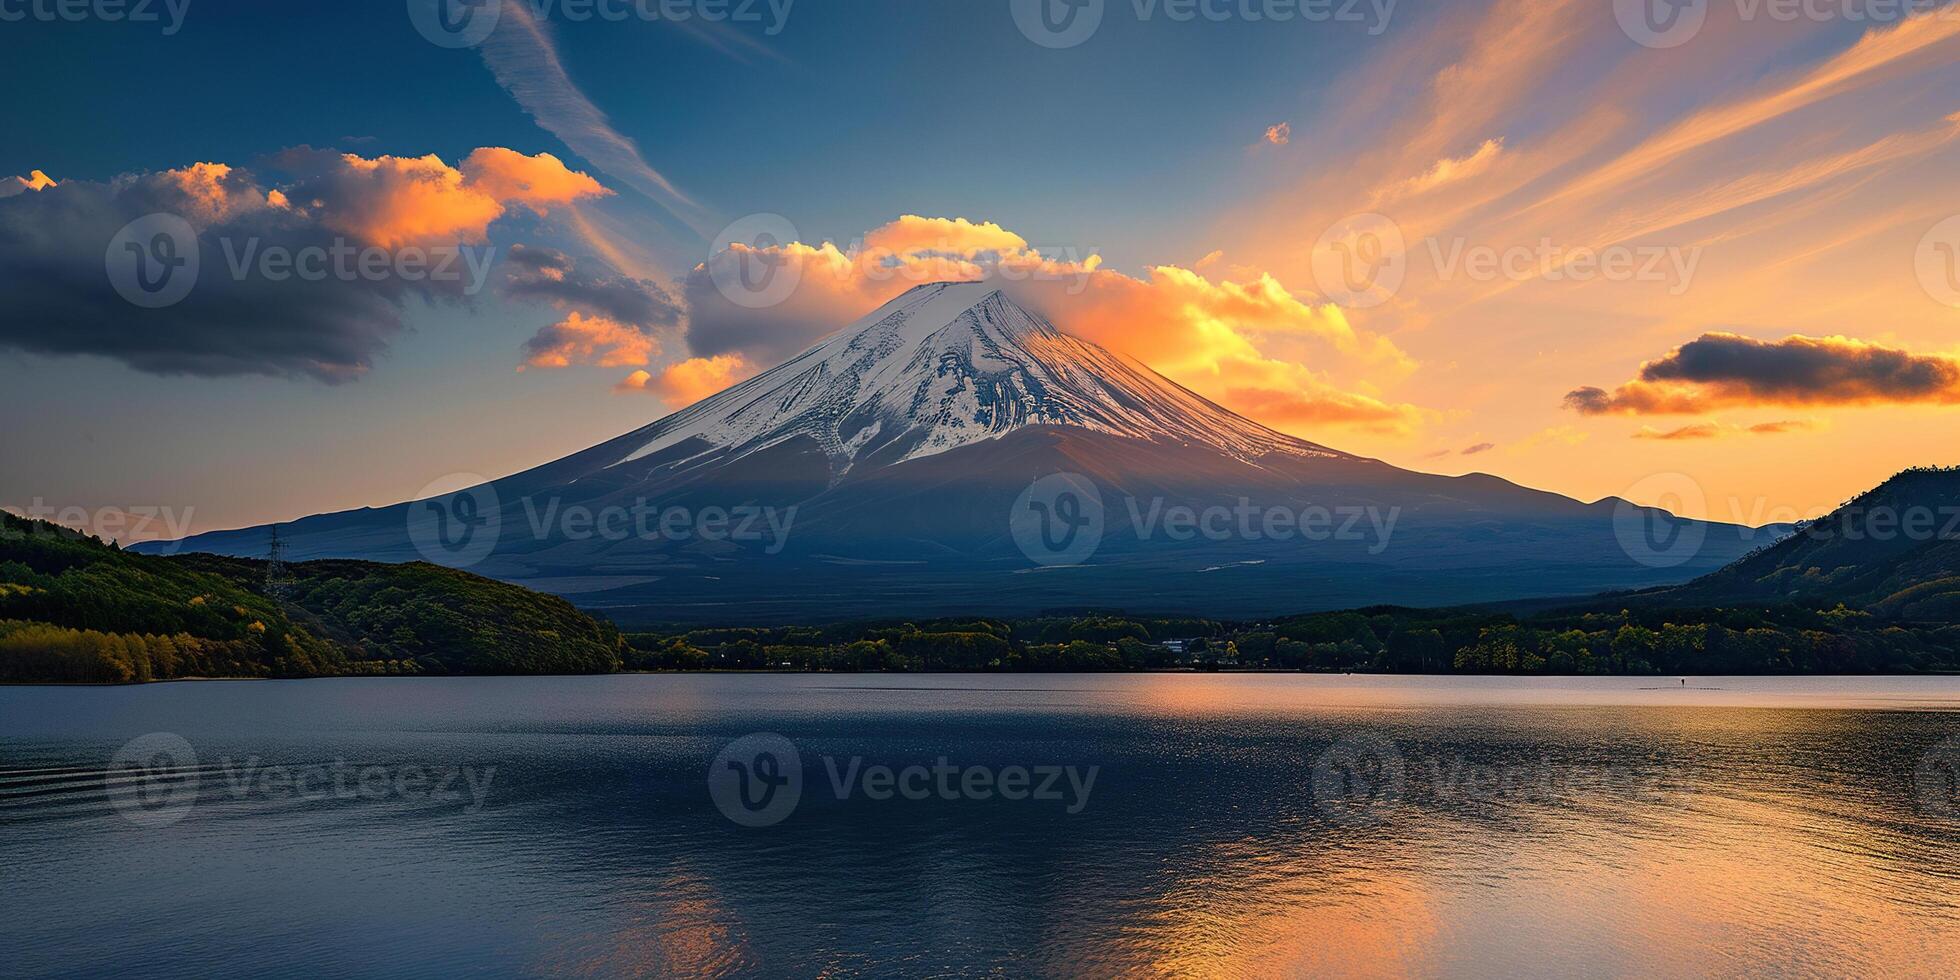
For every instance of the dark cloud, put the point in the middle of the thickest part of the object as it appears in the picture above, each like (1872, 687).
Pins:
(56, 271)
(1482, 447)
(770, 332)
(1721, 370)
(546, 275)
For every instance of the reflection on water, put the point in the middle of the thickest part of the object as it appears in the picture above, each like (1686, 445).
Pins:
(1240, 825)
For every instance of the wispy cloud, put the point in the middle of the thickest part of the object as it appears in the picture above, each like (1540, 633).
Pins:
(523, 56)
(1716, 430)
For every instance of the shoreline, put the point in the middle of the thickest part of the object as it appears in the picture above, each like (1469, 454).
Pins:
(948, 673)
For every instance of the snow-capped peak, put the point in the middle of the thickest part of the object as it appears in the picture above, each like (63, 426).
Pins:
(949, 364)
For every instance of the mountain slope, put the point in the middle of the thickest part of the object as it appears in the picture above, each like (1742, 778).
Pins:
(75, 609)
(882, 472)
(1894, 549)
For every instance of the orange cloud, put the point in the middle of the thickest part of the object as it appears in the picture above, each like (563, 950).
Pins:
(1706, 430)
(686, 382)
(589, 339)
(1710, 430)
(1778, 428)
(34, 181)
(1280, 134)
(215, 192)
(538, 182)
(1447, 170)
(394, 201)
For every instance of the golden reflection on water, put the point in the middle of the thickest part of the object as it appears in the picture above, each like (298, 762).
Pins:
(1293, 919)
(1727, 865)
(679, 927)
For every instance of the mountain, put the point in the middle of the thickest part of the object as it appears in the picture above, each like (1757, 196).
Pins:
(954, 453)
(1893, 550)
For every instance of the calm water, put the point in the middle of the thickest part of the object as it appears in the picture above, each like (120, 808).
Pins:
(1238, 825)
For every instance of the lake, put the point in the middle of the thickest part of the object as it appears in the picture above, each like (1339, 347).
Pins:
(1017, 825)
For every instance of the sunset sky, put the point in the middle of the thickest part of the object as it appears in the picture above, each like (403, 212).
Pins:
(1735, 258)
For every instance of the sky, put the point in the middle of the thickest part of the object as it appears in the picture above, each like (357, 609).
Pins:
(1704, 257)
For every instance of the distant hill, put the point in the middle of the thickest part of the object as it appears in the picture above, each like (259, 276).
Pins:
(73, 608)
(1893, 550)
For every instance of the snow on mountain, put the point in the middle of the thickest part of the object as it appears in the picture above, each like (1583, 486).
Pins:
(950, 364)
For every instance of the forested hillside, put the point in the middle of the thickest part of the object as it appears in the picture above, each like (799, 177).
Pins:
(73, 608)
